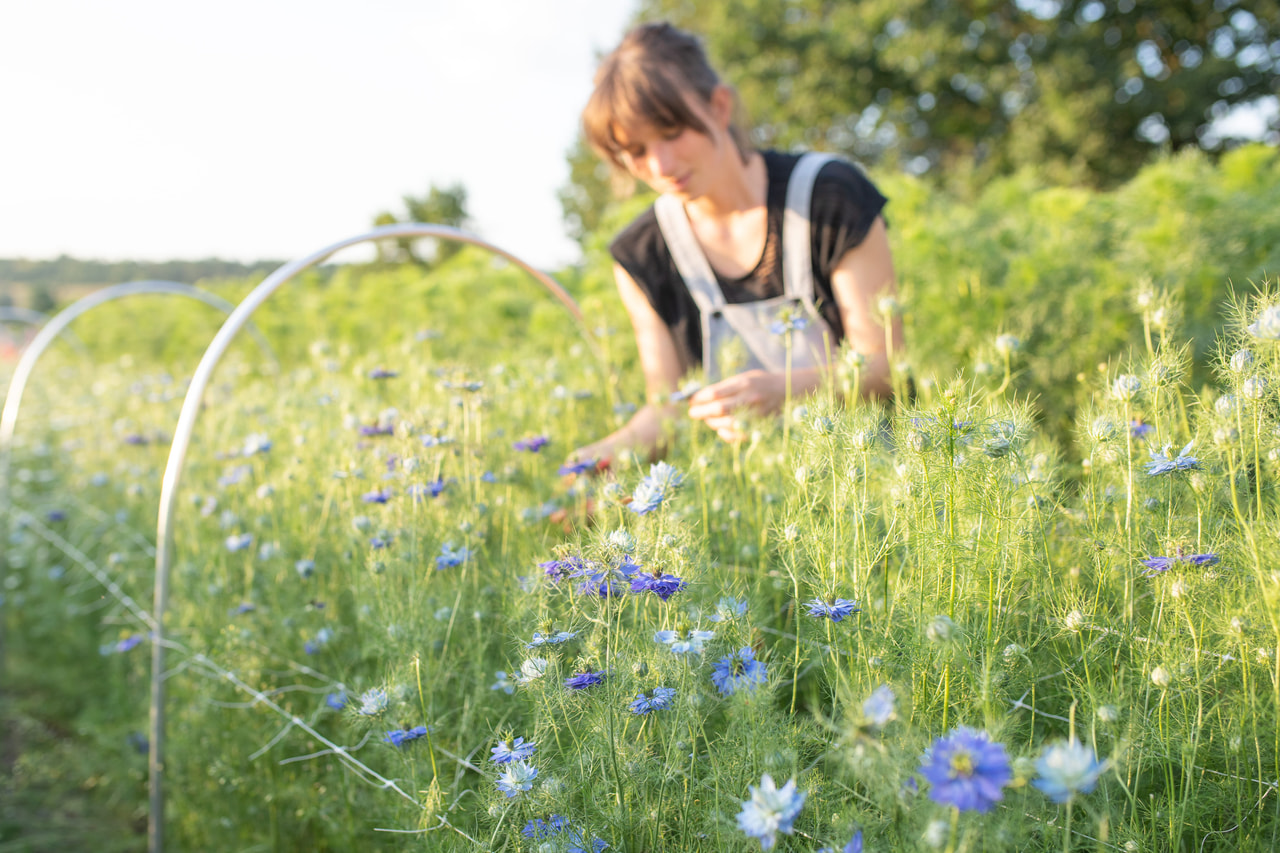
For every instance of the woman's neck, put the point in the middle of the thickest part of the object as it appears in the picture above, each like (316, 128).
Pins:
(740, 188)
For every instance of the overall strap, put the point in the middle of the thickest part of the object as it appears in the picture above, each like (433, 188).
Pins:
(692, 264)
(797, 254)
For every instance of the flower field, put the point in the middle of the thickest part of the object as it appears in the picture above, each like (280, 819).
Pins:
(399, 621)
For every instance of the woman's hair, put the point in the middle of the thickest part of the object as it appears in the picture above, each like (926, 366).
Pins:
(644, 82)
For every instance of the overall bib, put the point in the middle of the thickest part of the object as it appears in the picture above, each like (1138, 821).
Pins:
(749, 325)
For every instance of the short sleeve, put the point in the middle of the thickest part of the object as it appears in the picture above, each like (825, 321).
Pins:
(845, 206)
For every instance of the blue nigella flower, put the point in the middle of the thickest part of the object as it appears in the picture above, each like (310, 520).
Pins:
(1138, 429)
(1067, 769)
(373, 703)
(382, 373)
(683, 642)
(53, 516)
(516, 778)
(1161, 463)
(793, 323)
(662, 585)
(336, 701)
(738, 671)
(655, 489)
(503, 683)
(967, 770)
(657, 699)
(377, 496)
(836, 611)
(239, 542)
(488, 477)
(540, 830)
(305, 568)
(450, 558)
(243, 608)
(124, 645)
(508, 751)
(583, 680)
(322, 638)
(770, 810)
(728, 609)
(1160, 565)
(854, 845)
(139, 742)
(371, 430)
(541, 639)
(879, 707)
(399, 737)
(533, 444)
(377, 543)
(580, 467)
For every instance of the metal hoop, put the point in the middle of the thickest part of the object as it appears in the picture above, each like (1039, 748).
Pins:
(182, 440)
(40, 343)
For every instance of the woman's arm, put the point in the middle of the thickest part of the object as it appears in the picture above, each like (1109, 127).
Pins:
(646, 431)
(864, 276)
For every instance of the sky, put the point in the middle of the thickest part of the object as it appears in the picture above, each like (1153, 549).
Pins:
(140, 129)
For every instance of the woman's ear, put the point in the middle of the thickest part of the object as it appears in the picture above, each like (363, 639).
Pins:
(721, 106)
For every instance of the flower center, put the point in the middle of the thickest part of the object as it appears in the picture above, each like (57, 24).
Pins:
(961, 765)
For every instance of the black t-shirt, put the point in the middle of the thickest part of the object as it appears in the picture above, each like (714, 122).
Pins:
(844, 207)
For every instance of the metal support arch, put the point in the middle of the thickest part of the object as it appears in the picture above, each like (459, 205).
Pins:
(182, 440)
(37, 347)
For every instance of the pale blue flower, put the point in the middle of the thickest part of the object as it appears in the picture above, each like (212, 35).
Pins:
(683, 642)
(516, 778)
(771, 810)
(373, 703)
(879, 708)
(1067, 769)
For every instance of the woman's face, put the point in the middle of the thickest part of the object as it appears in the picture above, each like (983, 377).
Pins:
(683, 162)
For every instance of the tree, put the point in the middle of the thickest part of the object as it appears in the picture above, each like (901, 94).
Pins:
(446, 206)
(1083, 90)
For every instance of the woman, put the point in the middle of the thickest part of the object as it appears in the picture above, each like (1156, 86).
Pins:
(710, 275)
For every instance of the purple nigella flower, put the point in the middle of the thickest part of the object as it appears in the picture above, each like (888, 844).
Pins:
(399, 737)
(378, 543)
(243, 608)
(1161, 463)
(662, 585)
(657, 699)
(336, 701)
(836, 611)
(558, 570)
(532, 444)
(738, 671)
(1160, 565)
(382, 373)
(583, 680)
(53, 516)
(516, 750)
(1138, 429)
(580, 467)
(136, 439)
(370, 430)
(377, 496)
(967, 770)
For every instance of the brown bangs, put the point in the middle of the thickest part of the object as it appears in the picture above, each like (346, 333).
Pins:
(629, 96)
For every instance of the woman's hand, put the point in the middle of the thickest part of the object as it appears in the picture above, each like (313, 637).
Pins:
(721, 406)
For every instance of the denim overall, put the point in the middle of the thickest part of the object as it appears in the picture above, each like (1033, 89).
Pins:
(751, 322)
